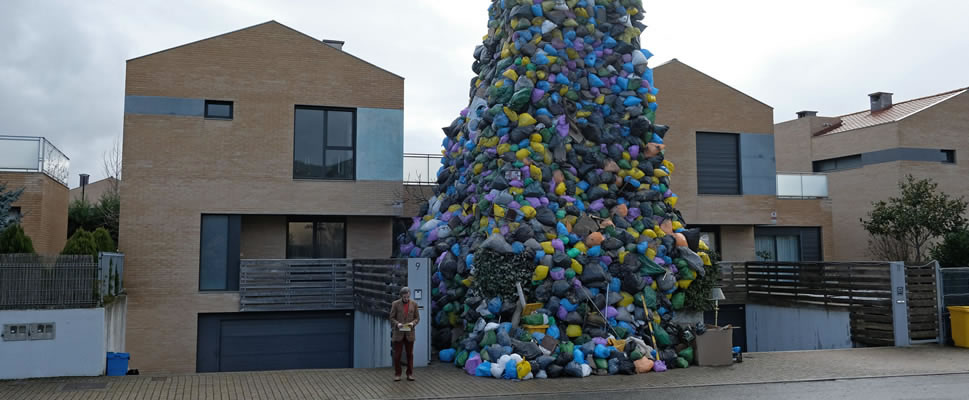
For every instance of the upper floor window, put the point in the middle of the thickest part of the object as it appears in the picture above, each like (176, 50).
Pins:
(834, 164)
(13, 216)
(949, 156)
(316, 237)
(718, 163)
(323, 143)
(218, 109)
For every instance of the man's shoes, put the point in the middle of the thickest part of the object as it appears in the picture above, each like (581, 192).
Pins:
(410, 377)
(397, 378)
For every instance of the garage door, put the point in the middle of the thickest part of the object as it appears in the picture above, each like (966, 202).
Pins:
(272, 341)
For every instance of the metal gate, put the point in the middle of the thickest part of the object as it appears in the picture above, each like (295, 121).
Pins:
(953, 284)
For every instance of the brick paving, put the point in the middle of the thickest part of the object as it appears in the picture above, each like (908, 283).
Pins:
(446, 381)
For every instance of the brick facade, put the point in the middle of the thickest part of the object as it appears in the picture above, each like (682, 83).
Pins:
(690, 102)
(941, 126)
(43, 206)
(178, 167)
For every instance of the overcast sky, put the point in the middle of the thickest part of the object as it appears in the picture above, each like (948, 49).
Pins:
(62, 62)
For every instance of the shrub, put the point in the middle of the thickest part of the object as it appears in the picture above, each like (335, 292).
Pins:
(954, 249)
(81, 242)
(102, 238)
(13, 240)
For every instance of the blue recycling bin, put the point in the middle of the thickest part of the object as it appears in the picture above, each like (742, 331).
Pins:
(117, 364)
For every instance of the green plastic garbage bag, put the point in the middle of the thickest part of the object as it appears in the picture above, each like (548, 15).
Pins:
(601, 363)
(461, 358)
(662, 338)
(681, 362)
(650, 296)
(686, 354)
(678, 300)
(534, 319)
(648, 267)
(489, 339)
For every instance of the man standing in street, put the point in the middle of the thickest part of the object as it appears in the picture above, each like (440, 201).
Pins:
(404, 316)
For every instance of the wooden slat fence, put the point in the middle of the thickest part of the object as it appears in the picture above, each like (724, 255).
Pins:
(294, 285)
(923, 302)
(30, 281)
(321, 284)
(862, 288)
(377, 284)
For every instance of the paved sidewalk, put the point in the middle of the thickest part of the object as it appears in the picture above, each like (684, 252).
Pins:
(446, 381)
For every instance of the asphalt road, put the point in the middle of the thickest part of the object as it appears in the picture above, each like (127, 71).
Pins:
(953, 386)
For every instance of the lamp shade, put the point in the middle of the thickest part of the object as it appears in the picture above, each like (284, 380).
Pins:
(717, 294)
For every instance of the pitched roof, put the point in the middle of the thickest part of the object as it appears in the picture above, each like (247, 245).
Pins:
(674, 61)
(896, 112)
(272, 22)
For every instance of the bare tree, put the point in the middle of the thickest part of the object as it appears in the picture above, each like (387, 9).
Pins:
(111, 165)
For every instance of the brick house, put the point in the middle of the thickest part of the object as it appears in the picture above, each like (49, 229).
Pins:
(34, 164)
(262, 143)
(875, 149)
(722, 142)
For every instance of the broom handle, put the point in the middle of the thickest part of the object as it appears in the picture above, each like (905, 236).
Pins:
(649, 323)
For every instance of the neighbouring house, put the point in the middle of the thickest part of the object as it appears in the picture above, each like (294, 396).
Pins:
(262, 143)
(727, 176)
(34, 164)
(93, 191)
(874, 149)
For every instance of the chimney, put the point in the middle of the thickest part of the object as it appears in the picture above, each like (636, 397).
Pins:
(880, 101)
(805, 113)
(336, 44)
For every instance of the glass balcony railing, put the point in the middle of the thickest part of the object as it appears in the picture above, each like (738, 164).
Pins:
(802, 186)
(421, 169)
(33, 154)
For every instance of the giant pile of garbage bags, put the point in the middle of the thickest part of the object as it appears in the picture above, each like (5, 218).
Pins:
(556, 246)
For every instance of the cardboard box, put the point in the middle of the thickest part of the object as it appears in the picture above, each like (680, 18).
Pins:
(715, 347)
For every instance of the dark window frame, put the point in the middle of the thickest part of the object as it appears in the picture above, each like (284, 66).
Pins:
(15, 214)
(737, 158)
(326, 147)
(233, 252)
(948, 156)
(229, 103)
(853, 161)
(314, 219)
(800, 232)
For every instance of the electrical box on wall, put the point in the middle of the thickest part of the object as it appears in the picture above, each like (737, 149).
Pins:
(13, 332)
(34, 331)
(41, 331)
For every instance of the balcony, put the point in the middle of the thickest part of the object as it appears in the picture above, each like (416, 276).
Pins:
(33, 154)
(802, 186)
(421, 169)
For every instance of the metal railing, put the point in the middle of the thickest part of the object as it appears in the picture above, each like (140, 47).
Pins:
(802, 186)
(29, 281)
(953, 291)
(33, 154)
(421, 169)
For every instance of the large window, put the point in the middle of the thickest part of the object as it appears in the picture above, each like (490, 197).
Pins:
(219, 252)
(835, 164)
(792, 244)
(316, 237)
(718, 163)
(323, 145)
